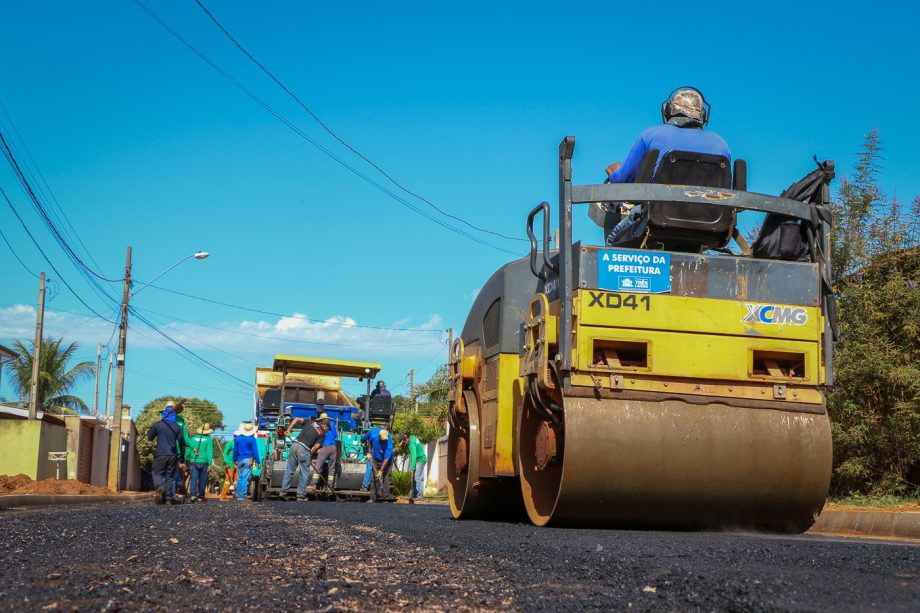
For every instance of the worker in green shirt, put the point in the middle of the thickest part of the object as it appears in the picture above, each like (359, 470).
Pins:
(417, 460)
(199, 454)
(229, 471)
(178, 407)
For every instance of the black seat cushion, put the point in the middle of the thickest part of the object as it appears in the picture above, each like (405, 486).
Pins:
(678, 226)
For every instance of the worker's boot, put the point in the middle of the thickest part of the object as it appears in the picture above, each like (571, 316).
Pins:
(160, 496)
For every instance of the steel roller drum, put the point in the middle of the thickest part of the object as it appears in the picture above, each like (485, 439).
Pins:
(674, 464)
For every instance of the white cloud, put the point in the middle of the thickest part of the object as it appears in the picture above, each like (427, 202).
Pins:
(337, 336)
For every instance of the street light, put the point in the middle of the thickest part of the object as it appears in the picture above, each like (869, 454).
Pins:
(198, 255)
(115, 445)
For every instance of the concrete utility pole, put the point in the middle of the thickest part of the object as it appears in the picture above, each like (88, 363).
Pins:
(450, 343)
(411, 383)
(98, 367)
(108, 387)
(115, 446)
(37, 353)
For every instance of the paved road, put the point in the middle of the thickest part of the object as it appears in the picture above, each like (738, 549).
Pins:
(349, 556)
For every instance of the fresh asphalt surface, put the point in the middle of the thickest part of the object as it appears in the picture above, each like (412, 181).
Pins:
(350, 556)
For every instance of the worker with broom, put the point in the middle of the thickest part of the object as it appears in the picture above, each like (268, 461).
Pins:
(381, 459)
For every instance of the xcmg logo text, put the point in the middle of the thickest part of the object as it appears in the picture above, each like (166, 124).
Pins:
(775, 314)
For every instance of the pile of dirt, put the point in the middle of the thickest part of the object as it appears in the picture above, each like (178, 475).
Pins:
(21, 484)
(8, 483)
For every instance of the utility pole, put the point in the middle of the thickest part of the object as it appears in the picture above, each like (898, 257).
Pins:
(37, 353)
(115, 445)
(411, 383)
(450, 343)
(108, 387)
(98, 368)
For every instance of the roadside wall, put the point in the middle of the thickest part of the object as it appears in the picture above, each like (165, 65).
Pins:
(437, 467)
(130, 478)
(24, 447)
(100, 471)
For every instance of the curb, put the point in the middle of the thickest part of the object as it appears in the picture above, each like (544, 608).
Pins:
(31, 500)
(870, 523)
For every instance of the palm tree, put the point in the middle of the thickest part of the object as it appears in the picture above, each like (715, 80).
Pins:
(56, 380)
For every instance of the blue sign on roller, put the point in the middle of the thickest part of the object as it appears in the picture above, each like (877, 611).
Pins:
(640, 272)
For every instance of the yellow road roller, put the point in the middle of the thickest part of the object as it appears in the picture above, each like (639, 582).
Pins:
(662, 379)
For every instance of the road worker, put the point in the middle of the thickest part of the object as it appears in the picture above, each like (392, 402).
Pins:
(327, 452)
(684, 114)
(381, 459)
(230, 473)
(245, 457)
(417, 460)
(167, 456)
(380, 390)
(300, 455)
(178, 407)
(199, 455)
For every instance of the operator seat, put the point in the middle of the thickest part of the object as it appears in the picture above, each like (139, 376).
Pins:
(679, 226)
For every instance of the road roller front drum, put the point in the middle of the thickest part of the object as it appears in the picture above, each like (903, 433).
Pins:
(673, 464)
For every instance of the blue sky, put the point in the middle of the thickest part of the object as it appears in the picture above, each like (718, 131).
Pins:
(143, 143)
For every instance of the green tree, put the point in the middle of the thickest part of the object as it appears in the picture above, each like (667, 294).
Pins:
(56, 379)
(425, 414)
(875, 404)
(197, 412)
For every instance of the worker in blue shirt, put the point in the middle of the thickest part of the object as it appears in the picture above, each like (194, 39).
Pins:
(381, 458)
(684, 113)
(245, 456)
(327, 452)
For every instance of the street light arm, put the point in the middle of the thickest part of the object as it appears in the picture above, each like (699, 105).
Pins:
(200, 255)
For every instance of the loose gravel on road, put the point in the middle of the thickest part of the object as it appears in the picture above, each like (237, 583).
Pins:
(351, 556)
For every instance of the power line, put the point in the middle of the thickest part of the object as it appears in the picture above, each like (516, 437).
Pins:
(312, 141)
(188, 351)
(44, 182)
(15, 255)
(8, 154)
(212, 390)
(286, 339)
(44, 255)
(198, 340)
(341, 140)
(272, 313)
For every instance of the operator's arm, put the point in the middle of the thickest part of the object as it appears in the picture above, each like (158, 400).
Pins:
(152, 432)
(294, 422)
(628, 171)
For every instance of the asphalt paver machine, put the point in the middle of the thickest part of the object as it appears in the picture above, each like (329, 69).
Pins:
(657, 380)
(311, 386)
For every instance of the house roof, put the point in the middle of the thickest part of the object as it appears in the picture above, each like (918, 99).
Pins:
(17, 413)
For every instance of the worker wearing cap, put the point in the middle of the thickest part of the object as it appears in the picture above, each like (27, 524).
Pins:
(199, 455)
(229, 470)
(300, 455)
(381, 457)
(417, 460)
(684, 114)
(327, 452)
(245, 456)
(169, 452)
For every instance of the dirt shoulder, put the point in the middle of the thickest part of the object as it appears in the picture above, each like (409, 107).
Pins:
(21, 484)
(910, 507)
